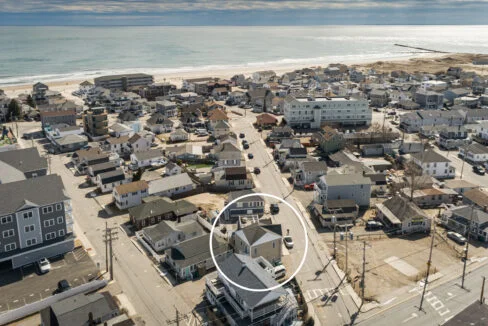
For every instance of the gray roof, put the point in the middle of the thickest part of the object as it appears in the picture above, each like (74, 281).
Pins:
(164, 228)
(314, 166)
(162, 206)
(430, 156)
(71, 139)
(39, 191)
(24, 160)
(196, 250)
(246, 271)
(346, 179)
(479, 216)
(149, 154)
(476, 148)
(111, 176)
(111, 77)
(401, 208)
(236, 194)
(255, 234)
(170, 182)
(74, 310)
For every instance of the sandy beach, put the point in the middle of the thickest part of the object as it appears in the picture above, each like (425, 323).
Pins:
(429, 63)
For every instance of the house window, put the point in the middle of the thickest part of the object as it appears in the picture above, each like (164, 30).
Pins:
(274, 244)
(48, 223)
(31, 242)
(27, 215)
(6, 219)
(60, 219)
(50, 235)
(29, 228)
(61, 233)
(255, 251)
(47, 209)
(10, 247)
(8, 233)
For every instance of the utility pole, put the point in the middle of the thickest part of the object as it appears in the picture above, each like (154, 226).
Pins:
(462, 166)
(482, 299)
(467, 246)
(363, 277)
(109, 236)
(347, 236)
(49, 161)
(335, 245)
(177, 319)
(106, 247)
(429, 262)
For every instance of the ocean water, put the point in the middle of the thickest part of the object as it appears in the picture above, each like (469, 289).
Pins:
(30, 54)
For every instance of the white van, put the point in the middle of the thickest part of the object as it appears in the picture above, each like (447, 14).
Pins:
(279, 271)
(201, 132)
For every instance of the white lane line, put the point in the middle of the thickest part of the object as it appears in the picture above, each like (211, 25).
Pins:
(388, 301)
(413, 316)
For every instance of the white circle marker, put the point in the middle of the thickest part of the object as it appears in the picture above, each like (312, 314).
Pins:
(304, 231)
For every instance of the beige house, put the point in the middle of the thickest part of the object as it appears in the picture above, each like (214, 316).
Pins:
(259, 240)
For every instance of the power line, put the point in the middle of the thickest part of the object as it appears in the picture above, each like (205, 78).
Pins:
(109, 236)
(178, 318)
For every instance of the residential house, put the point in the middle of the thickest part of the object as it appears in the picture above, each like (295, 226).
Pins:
(260, 99)
(107, 181)
(81, 309)
(329, 140)
(408, 104)
(167, 108)
(49, 118)
(308, 172)
(430, 197)
(434, 164)
(159, 124)
(185, 152)
(69, 143)
(454, 93)
(335, 212)
(242, 307)
(402, 215)
(39, 92)
(248, 206)
(83, 158)
(153, 210)
(21, 164)
(266, 120)
(474, 153)
(216, 116)
(171, 185)
(179, 135)
(279, 133)
(124, 82)
(130, 194)
(119, 129)
(146, 158)
(191, 258)
(459, 186)
(233, 178)
(53, 132)
(470, 102)
(453, 137)
(228, 155)
(379, 185)
(138, 143)
(413, 121)
(220, 93)
(379, 98)
(343, 186)
(263, 76)
(220, 129)
(169, 233)
(172, 169)
(473, 115)
(459, 219)
(237, 97)
(476, 197)
(257, 240)
(36, 220)
(118, 145)
(94, 170)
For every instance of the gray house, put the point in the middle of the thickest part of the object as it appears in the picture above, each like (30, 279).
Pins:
(343, 186)
(35, 220)
(21, 164)
(458, 219)
(259, 241)
(429, 100)
(252, 205)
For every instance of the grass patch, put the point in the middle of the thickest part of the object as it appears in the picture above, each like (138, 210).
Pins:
(199, 166)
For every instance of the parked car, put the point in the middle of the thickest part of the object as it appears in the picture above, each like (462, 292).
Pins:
(479, 170)
(242, 135)
(244, 142)
(456, 237)
(279, 271)
(309, 186)
(63, 286)
(250, 156)
(288, 241)
(44, 265)
(373, 225)
(274, 208)
(257, 170)
(245, 146)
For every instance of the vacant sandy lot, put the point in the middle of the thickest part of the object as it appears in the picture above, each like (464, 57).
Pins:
(208, 201)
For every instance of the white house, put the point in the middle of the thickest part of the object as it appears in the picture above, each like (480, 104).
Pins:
(117, 145)
(475, 153)
(400, 214)
(168, 233)
(120, 129)
(178, 135)
(130, 194)
(308, 172)
(310, 112)
(172, 169)
(434, 164)
(146, 158)
(172, 185)
(221, 128)
(137, 143)
(107, 181)
(343, 186)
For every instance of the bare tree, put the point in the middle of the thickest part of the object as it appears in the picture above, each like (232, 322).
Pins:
(413, 174)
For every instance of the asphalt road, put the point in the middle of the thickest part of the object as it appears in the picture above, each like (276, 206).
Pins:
(315, 280)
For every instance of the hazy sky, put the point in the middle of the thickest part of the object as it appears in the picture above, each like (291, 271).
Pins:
(241, 12)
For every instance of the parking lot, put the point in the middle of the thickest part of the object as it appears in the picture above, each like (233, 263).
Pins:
(76, 267)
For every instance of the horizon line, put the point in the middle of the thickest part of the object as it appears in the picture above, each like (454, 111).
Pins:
(238, 25)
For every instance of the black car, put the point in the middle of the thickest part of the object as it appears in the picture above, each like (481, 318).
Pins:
(242, 135)
(245, 145)
(479, 170)
(274, 208)
(250, 156)
(63, 286)
(257, 170)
